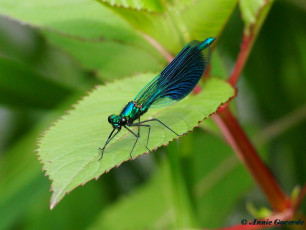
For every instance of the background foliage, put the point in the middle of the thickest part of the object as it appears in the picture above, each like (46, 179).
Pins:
(52, 53)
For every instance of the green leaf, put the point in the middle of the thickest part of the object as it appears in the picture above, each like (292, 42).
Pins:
(84, 27)
(21, 86)
(216, 169)
(181, 21)
(69, 150)
(157, 25)
(19, 190)
(110, 59)
(207, 18)
(250, 10)
(154, 197)
(149, 5)
(213, 169)
(33, 51)
(90, 24)
(22, 183)
(183, 205)
(82, 18)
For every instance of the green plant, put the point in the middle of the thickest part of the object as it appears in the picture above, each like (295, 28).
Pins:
(73, 46)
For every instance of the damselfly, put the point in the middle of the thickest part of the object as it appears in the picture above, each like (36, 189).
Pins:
(174, 83)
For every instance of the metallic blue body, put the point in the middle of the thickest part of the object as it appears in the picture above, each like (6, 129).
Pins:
(132, 112)
(174, 83)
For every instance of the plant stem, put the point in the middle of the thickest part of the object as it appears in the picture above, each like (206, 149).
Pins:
(234, 133)
(246, 45)
(244, 149)
(158, 47)
(249, 36)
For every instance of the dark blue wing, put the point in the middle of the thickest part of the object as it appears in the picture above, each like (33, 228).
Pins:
(179, 78)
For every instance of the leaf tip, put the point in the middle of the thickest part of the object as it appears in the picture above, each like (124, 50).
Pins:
(52, 205)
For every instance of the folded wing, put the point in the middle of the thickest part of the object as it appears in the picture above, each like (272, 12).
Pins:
(179, 78)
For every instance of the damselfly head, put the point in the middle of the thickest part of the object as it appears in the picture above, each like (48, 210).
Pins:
(117, 121)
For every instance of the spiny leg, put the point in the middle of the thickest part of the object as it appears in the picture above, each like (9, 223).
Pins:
(110, 137)
(137, 136)
(154, 119)
(138, 127)
(149, 126)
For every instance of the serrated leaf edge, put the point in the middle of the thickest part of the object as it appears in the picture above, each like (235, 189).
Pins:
(53, 202)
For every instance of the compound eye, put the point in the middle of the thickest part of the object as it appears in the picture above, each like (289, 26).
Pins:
(110, 120)
(123, 120)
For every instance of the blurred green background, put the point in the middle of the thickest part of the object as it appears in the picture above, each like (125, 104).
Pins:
(194, 182)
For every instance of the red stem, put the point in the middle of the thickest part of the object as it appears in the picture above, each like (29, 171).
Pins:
(236, 137)
(245, 47)
(239, 141)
